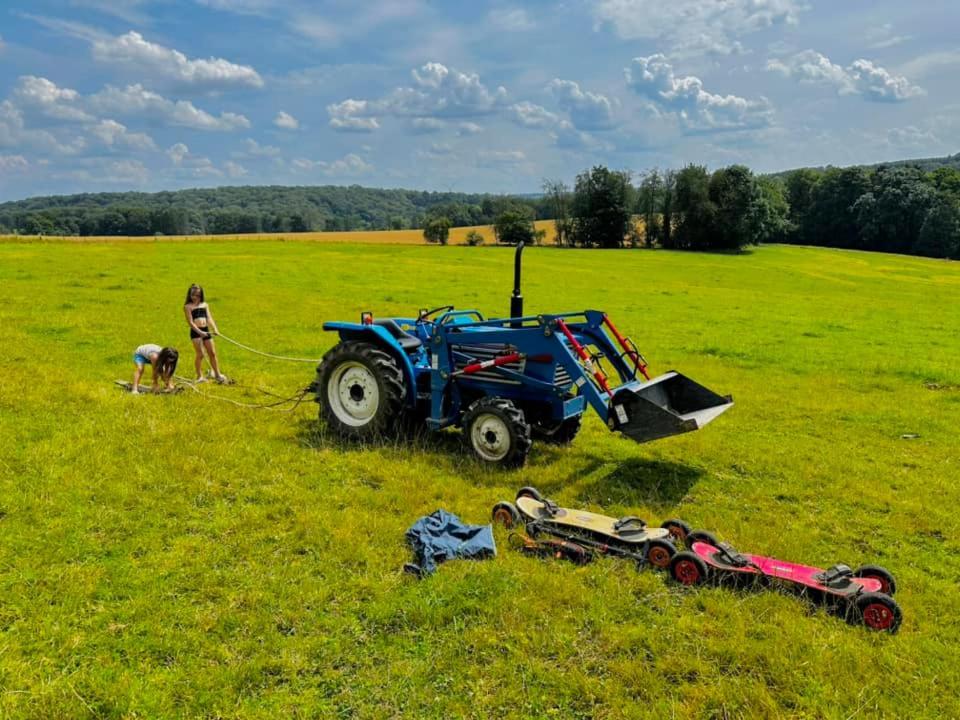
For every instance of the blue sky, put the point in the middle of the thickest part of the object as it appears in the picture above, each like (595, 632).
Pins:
(100, 95)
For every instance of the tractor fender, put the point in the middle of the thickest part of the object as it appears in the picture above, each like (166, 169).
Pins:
(376, 335)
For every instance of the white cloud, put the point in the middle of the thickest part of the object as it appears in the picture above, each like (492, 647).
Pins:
(234, 170)
(690, 27)
(15, 134)
(286, 121)
(197, 166)
(241, 7)
(511, 20)
(562, 132)
(177, 153)
(531, 115)
(136, 100)
(882, 37)
(469, 128)
(44, 96)
(437, 92)
(206, 74)
(684, 97)
(255, 149)
(912, 137)
(100, 171)
(587, 110)
(11, 164)
(352, 116)
(114, 134)
(862, 77)
(925, 64)
(501, 157)
(876, 83)
(348, 166)
(427, 125)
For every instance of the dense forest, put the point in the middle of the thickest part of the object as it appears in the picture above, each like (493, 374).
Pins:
(251, 209)
(910, 207)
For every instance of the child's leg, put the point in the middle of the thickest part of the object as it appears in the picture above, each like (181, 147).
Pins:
(137, 374)
(198, 361)
(212, 356)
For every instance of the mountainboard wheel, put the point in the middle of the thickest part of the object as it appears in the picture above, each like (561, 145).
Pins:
(701, 536)
(879, 612)
(888, 585)
(506, 514)
(659, 553)
(688, 568)
(496, 431)
(678, 530)
(530, 492)
(361, 391)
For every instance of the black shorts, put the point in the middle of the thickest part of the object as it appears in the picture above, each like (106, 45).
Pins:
(205, 335)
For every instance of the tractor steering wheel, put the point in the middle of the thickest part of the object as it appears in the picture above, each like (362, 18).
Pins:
(428, 313)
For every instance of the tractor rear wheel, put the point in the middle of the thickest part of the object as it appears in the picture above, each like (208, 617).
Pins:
(497, 432)
(361, 391)
(562, 433)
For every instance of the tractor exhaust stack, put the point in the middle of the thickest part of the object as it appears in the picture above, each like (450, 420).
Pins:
(670, 404)
(516, 300)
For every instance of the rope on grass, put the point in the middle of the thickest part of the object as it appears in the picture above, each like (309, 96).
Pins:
(266, 354)
(296, 398)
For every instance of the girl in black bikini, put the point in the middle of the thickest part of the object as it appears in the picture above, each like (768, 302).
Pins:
(202, 330)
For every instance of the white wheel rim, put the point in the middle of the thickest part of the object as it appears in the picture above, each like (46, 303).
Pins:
(490, 437)
(353, 394)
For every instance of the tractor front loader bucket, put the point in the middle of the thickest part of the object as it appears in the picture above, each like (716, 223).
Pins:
(667, 405)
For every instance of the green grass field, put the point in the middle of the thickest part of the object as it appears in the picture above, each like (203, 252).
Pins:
(183, 557)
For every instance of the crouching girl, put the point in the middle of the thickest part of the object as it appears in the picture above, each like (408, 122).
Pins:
(163, 360)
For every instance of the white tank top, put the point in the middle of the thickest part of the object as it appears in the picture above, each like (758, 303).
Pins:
(146, 350)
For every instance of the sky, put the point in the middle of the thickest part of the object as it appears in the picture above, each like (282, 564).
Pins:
(105, 95)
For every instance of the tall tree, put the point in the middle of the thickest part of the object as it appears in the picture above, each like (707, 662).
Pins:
(558, 196)
(940, 234)
(601, 207)
(695, 211)
(649, 204)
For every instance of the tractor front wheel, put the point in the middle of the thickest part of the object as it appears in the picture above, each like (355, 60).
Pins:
(361, 391)
(497, 432)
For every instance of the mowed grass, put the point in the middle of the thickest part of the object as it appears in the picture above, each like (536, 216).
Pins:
(184, 557)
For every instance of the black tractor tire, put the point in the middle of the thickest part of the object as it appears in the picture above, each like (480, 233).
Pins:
(562, 433)
(497, 432)
(888, 583)
(361, 391)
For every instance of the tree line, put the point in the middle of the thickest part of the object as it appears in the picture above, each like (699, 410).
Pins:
(899, 208)
(905, 207)
(253, 209)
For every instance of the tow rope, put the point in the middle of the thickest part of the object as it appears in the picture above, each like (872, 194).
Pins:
(266, 354)
(296, 398)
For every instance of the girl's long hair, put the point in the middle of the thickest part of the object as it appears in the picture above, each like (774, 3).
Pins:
(167, 362)
(190, 292)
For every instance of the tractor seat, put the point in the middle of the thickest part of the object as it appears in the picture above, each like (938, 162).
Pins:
(409, 343)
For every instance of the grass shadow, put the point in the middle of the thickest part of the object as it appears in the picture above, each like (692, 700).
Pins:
(658, 484)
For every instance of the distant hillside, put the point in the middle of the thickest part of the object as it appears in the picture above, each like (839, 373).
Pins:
(924, 164)
(246, 209)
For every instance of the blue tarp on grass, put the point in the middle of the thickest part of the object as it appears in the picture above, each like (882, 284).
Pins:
(442, 536)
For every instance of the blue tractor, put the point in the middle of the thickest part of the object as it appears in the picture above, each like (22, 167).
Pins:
(504, 381)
